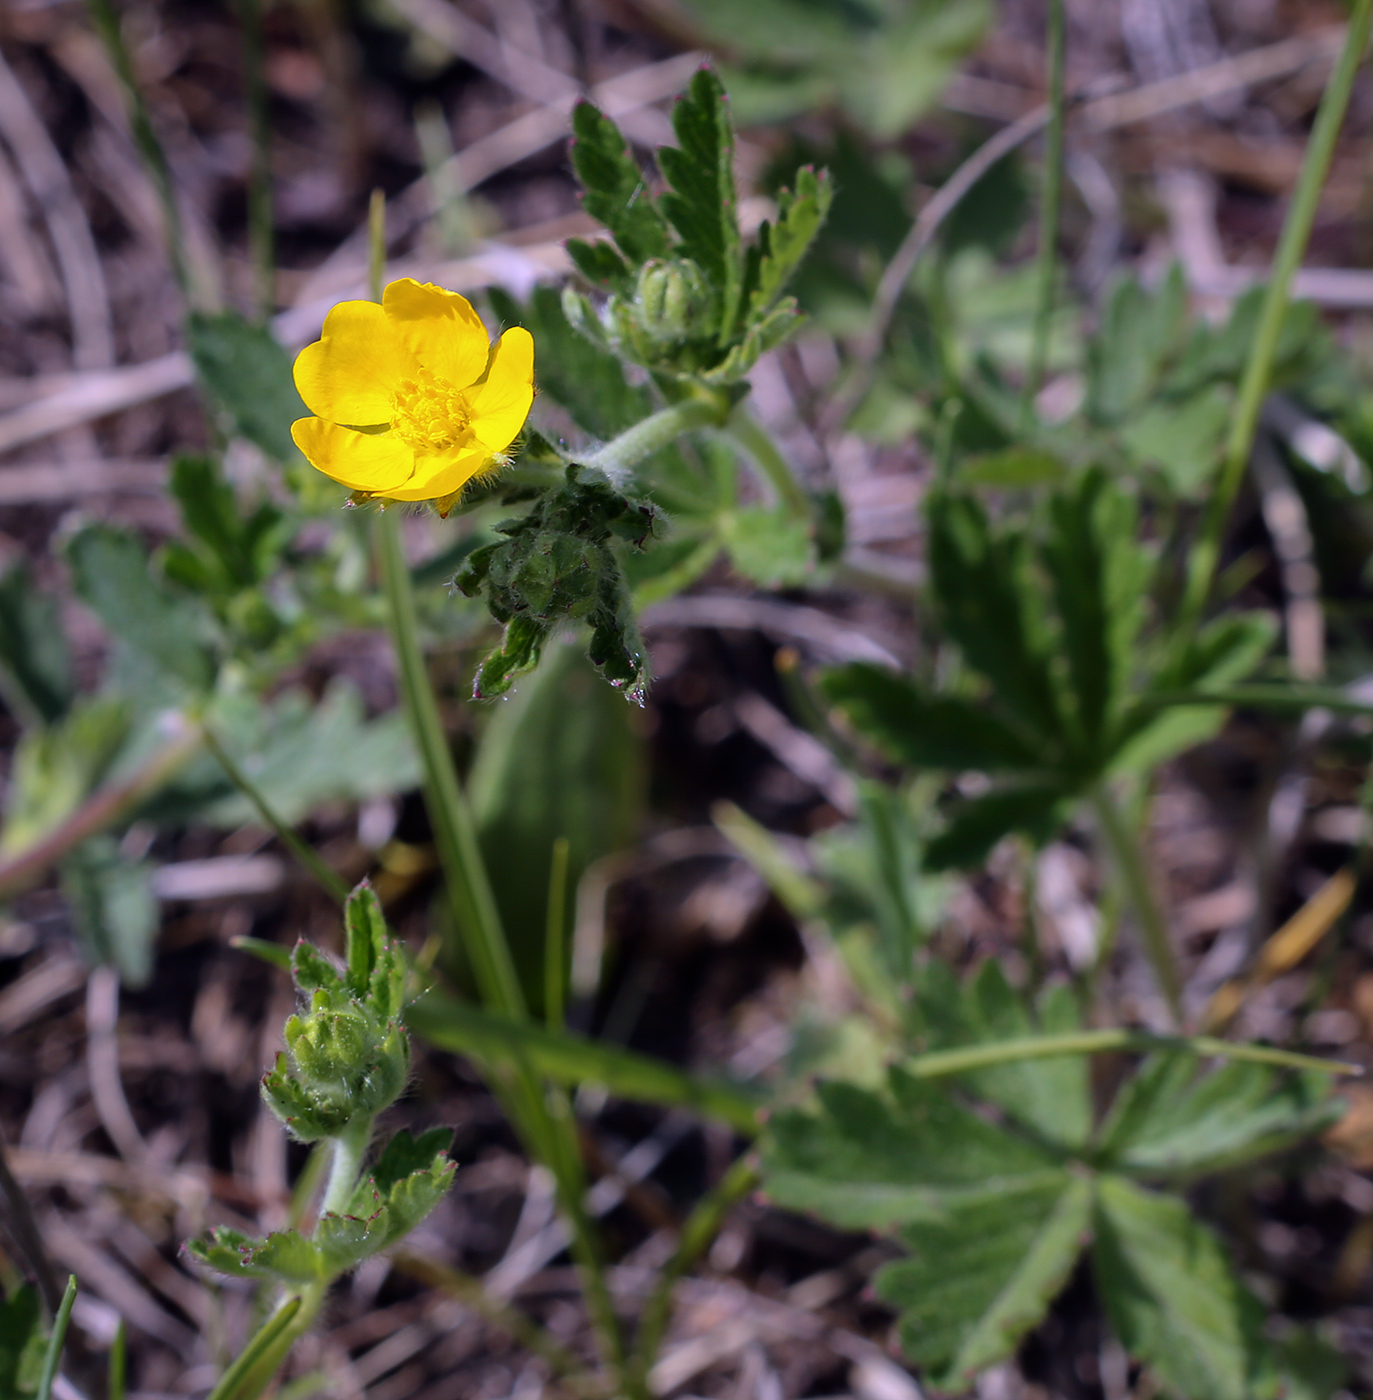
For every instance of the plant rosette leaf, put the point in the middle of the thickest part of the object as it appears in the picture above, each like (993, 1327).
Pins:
(996, 1214)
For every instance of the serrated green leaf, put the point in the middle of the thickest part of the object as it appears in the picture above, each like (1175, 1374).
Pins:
(301, 754)
(615, 191)
(1172, 1297)
(55, 768)
(975, 826)
(782, 246)
(285, 1256)
(1170, 1121)
(249, 375)
(35, 663)
(1099, 576)
(600, 264)
(1138, 333)
(113, 908)
(312, 970)
(979, 1280)
(160, 638)
(927, 731)
(702, 204)
(587, 381)
(867, 1160)
(405, 1154)
(769, 545)
(991, 607)
(1050, 1098)
(233, 547)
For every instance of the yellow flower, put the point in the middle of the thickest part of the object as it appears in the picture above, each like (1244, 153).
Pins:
(411, 399)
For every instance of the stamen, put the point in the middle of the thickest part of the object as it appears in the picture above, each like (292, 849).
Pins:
(429, 414)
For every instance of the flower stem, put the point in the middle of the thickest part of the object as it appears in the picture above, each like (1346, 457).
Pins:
(1126, 851)
(620, 455)
(455, 831)
(762, 447)
(1263, 349)
(350, 1147)
(300, 848)
(1051, 195)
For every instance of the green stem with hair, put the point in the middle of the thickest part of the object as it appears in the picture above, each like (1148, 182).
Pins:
(618, 457)
(1263, 349)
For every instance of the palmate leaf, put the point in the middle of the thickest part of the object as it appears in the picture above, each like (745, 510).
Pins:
(927, 731)
(977, 1281)
(1173, 1299)
(1099, 576)
(702, 204)
(872, 1160)
(1049, 1098)
(990, 606)
(782, 245)
(1170, 1122)
(615, 191)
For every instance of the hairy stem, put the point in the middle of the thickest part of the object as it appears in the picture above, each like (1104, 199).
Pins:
(1263, 350)
(1050, 198)
(1126, 851)
(350, 1147)
(620, 455)
(455, 832)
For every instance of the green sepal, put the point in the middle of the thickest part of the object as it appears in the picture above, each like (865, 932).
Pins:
(559, 563)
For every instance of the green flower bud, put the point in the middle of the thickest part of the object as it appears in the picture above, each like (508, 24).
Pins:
(672, 297)
(347, 1056)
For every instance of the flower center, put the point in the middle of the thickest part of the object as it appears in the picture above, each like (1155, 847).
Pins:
(428, 413)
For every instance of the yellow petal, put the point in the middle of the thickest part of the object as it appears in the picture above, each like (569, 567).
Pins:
(360, 461)
(441, 329)
(442, 475)
(500, 405)
(348, 375)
